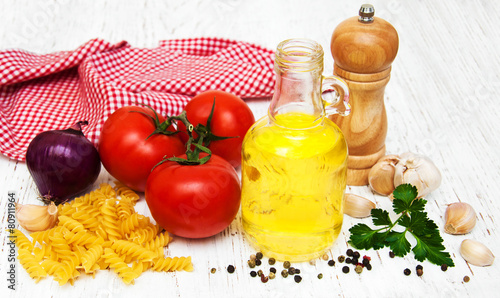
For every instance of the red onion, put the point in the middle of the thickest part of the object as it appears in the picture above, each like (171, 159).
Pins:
(63, 163)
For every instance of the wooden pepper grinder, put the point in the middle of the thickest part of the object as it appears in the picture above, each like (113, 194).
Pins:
(363, 50)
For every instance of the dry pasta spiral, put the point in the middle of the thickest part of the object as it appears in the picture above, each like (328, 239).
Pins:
(96, 231)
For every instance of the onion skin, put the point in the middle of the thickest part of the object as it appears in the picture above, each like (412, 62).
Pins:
(63, 163)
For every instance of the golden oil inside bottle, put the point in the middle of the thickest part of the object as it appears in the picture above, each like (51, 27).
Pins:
(293, 183)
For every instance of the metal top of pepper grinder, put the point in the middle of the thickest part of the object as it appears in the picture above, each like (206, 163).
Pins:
(366, 13)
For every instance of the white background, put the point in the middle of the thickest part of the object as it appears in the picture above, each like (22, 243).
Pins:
(442, 101)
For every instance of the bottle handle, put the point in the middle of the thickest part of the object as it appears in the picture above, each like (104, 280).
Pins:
(335, 95)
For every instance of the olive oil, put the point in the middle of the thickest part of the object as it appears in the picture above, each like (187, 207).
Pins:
(293, 182)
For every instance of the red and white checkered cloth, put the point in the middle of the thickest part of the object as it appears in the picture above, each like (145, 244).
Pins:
(53, 91)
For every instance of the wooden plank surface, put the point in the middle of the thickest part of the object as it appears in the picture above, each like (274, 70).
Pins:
(442, 101)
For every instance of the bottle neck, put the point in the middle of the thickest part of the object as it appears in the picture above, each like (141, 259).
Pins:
(298, 66)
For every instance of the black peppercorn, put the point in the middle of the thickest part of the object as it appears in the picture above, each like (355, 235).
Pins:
(341, 259)
(258, 262)
(259, 255)
(345, 269)
(331, 263)
(284, 273)
(407, 271)
(291, 271)
(391, 254)
(272, 261)
(368, 267)
(419, 267)
(251, 263)
(348, 260)
(356, 254)
(297, 271)
(354, 261)
(286, 264)
(253, 273)
(297, 278)
(444, 267)
(349, 252)
(272, 269)
(366, 262)
(420, 272)
(230, 268)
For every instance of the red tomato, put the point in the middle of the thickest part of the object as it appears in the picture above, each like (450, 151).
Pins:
(194, 201)
(232, 118)
(126, 151)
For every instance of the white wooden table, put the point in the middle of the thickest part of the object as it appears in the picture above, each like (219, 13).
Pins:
(442, 101)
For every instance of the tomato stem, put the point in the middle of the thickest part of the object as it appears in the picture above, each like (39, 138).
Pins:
(160, 127)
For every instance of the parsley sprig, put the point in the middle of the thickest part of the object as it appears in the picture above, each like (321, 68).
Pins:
(414, 220)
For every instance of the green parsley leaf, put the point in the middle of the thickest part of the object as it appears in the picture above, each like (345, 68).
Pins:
(380, 217)
(414, 219)
(405, 192)
(398, 243)
(363, 237)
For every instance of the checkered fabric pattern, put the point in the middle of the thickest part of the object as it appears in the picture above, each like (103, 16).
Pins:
(40, 92)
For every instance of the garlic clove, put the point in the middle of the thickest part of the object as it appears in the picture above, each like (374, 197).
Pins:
(419, 171)
(357, 206)
(476, 253)
(36, 218)
(381, 175)
(460, 218)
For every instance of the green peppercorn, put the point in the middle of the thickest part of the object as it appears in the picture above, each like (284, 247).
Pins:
(273, 270)
(258, 262)
(341, 259)
(444, 267)
(358, 269)
(331, 263)
(230, 269)
(325, 257)
(407, 271)
(213, 270)
(297, 278)
(466, 278)
(320, 276)
(253, 273)
(345, 269)
(259, 255)
(391, 254)
(286, 265)
(271, 275)
(284, 273)
(272, 261)
(253, 257)
(349, 252)
(251, 263)
(260, 273)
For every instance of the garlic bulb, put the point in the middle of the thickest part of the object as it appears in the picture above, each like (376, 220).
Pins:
(357, 206)
(460, 218)
(35, 218)
(381, 175)
(419, 171)
(476, 253)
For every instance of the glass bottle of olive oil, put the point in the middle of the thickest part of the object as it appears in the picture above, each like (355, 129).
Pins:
(294, 160)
